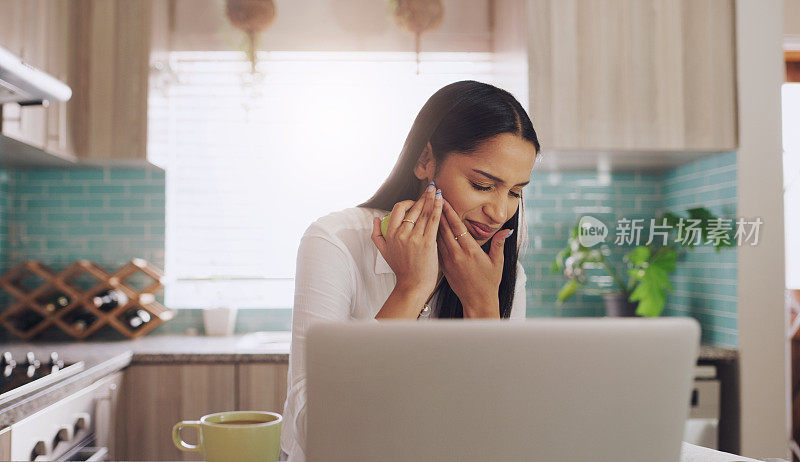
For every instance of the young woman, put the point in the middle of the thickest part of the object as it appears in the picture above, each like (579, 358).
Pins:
(450, 249)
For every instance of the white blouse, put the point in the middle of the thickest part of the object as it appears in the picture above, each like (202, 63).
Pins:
(340, 276)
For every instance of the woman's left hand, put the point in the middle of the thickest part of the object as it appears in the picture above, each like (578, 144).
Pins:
(472, 274)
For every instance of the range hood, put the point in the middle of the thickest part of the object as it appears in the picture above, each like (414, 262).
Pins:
(26, 85)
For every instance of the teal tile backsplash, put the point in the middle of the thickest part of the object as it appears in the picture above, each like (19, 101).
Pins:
(113, 214)
(103, 214)
(705, 281)
(553, 206)
(247, 320)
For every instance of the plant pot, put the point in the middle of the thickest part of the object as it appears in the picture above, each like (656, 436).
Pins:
(617, 305)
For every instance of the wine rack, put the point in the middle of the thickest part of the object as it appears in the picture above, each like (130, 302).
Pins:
(42, 298)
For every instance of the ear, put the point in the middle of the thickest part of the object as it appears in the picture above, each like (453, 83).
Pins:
(426, 164)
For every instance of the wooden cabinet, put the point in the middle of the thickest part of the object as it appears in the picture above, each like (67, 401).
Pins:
(34, 32)
(44, 43)
(12, 25)
(262, 387)
(155, 397)
(111, 54)
(101, 49)
(22, 28)
(57, 137)
(23, 31)
(632, 74)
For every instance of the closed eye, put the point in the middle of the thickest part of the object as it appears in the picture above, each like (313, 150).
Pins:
(486, 188)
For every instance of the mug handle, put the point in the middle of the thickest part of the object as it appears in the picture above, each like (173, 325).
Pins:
(183, 445)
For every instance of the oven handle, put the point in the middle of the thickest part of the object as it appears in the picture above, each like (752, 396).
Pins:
(94, 454)
(86, 451)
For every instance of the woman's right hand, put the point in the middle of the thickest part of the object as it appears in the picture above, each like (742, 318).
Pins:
(410, 248)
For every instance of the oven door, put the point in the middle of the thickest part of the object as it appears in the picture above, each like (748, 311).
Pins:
(66, 429)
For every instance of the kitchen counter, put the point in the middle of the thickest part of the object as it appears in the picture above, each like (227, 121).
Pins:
(105, 357)
(710, 353)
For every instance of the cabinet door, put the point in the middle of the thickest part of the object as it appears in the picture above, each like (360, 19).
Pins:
(262, 387)
(11, 25)
(632, 75)
(5, 444)
(26, 38)
(34, 52)
(34, 46)
(57, 137)
(108, 112)
(156, 397)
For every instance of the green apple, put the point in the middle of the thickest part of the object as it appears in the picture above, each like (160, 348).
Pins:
(385, 223)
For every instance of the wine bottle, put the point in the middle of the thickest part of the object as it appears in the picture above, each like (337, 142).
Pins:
(57, 302)
(136, 318)
(82, 319)
(80, 325)
(109, 299)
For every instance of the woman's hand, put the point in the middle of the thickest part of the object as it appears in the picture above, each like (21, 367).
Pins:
(410, 247)
(472, 274)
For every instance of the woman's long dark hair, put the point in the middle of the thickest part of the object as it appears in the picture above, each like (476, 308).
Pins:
(457, 118)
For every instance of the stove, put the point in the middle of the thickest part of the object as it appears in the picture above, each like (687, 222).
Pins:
(26, 375)
(76, 427)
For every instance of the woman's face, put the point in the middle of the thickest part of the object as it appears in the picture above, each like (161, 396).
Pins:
(485, 186)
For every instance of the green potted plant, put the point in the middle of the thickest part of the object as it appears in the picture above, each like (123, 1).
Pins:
(648, 266)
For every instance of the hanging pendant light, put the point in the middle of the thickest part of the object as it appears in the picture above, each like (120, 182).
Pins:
(417, 17)
(251, 17)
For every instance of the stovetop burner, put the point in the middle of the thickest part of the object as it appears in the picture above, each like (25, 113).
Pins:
(23, 376)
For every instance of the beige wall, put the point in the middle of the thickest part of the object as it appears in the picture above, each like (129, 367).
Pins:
(763, 347)
(327, 25)
(791, 18)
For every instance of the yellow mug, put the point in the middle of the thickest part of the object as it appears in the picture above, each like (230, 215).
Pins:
(234, 436)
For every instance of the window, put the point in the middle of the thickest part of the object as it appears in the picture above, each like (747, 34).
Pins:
(251, 161)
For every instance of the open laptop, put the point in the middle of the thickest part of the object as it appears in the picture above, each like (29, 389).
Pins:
(582, 389)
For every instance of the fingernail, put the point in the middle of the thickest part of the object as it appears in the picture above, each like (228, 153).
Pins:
(510, 232)
(430, 187)
(438, 195)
